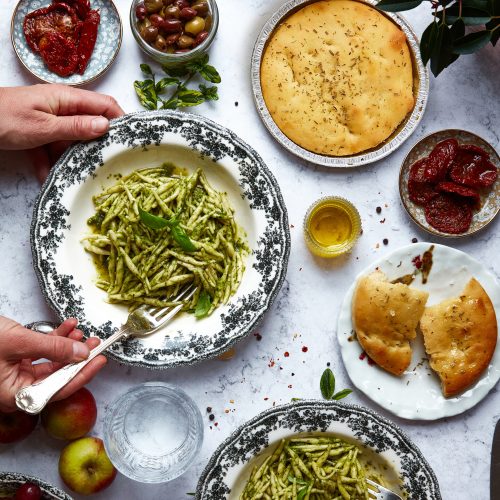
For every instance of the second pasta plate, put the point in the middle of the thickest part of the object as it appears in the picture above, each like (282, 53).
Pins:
(67, 273)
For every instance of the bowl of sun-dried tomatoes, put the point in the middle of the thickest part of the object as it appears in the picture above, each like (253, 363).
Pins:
(449, 183)
(66, 41)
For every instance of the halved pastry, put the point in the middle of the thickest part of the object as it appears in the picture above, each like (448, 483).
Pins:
(385, 317)
(460, 336)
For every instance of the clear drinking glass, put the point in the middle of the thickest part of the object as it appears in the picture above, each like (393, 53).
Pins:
(153, 432)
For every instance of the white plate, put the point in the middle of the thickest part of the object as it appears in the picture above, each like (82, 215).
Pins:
(384, 446)
(67, 274)
(417, 393)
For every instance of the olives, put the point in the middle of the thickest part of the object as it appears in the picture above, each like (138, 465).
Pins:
(173, 26)
(153, 5)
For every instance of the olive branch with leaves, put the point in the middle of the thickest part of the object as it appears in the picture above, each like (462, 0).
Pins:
(445, 39)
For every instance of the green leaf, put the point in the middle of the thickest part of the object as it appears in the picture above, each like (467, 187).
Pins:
(327, 384)
(146, 69)
(181, 238)
(203, 305)
(153, 221)
(428, 41)
(209, 93)
(472, 42)
(441, 56)
(477, 4)
(398, 5)
(494, 27)
(210, 74)
(470, 16)
(342, 394)
(190, 98)
(165, 82)
(146, 93)
(296, 399)
(298, 481)
(172, 103)
(175, 72)
(301, 494)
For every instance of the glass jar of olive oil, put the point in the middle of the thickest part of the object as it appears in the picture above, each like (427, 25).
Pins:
(331, 227)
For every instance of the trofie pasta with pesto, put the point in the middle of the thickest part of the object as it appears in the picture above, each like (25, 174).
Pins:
(311, 468)
(155, 232)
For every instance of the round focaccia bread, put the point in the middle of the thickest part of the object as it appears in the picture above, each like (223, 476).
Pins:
(337, 77)
(385, 316)
(460, 335)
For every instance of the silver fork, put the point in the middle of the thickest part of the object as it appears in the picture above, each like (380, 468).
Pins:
(382, 493)
(143, 321)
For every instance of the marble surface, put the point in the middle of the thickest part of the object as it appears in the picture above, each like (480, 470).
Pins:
(305, 312)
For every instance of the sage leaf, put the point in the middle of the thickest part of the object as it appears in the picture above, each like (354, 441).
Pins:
(146, 69)
(165, 82)
(203, 305)
(342, 394)
(209, 93)
(187, 98)
(471, 42)
(327, 384)
(146, 93)
(398, 5)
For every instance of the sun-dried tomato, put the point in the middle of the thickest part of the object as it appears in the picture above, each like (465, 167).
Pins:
(88, 37)
(82, 7)
(473, 170)
(59, 54)
(449, 214)
(472, 148)
(57, 18)
(419, 190)
(440, 160)
(452, 187)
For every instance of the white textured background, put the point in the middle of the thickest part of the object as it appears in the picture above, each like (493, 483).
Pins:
(463, 96)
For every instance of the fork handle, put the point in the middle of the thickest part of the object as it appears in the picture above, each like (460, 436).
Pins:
(33, 398)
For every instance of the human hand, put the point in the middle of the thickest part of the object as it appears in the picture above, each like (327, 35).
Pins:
(19, 347)
(46, 119)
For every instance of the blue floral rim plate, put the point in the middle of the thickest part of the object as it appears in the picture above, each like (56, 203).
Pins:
(67, 274)
(384, 446)
(10, 481)
(109, 39)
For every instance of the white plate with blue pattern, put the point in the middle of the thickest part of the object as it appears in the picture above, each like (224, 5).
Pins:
(109, 39)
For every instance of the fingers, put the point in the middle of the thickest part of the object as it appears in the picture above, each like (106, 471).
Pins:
(83, 378)
(73, 101)
(42, 370)
(76, 127)
(40, 161)
(26, 344)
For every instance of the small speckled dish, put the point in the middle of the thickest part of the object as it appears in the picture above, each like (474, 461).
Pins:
(400, 135)
(490, 197)
(109, 39)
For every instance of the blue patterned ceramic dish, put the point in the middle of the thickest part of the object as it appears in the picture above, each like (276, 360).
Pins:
(67, 274)
(10, 481)
(109, 39)
(384, 445)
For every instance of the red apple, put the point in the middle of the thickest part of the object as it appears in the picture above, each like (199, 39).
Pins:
(16, 426)
(70, 418)
(84, 466)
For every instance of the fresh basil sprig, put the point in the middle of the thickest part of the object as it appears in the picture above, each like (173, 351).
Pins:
(178, 234)
(151, 93)
(327, 386)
